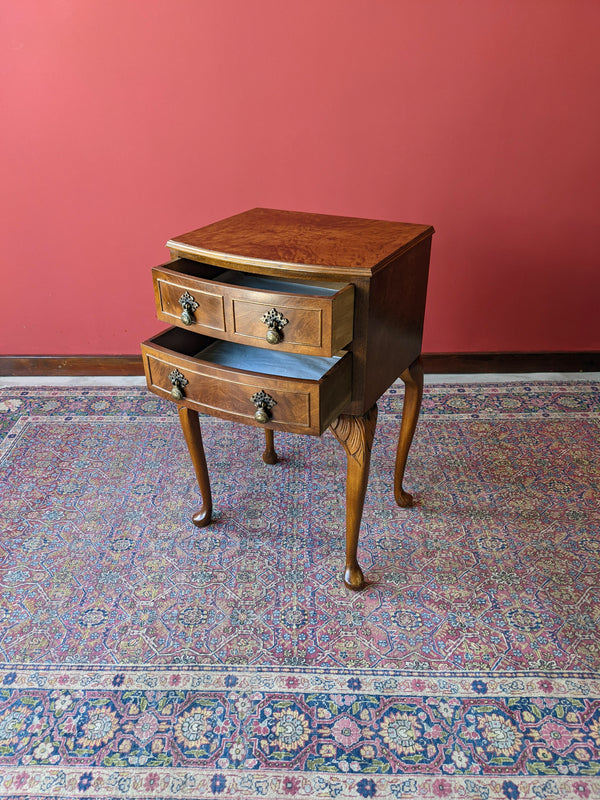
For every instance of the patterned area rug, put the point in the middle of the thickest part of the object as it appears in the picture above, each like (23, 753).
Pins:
(143, 657)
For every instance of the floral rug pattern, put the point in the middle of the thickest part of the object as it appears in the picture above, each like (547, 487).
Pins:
(143, 657)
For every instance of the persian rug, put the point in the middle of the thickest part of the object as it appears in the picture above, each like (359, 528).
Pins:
(141, 657)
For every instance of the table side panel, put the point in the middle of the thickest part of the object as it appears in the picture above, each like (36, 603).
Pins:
(397, 297)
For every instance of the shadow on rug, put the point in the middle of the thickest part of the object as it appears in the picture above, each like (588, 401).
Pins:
(143, 657)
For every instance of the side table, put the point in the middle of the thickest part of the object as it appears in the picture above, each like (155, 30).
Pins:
(294, 322)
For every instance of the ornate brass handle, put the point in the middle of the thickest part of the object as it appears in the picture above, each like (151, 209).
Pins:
(178, 382)
(264, 403)
(275, 321)
(189, 305)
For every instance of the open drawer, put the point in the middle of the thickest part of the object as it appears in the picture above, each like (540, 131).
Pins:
(315, 318)
(274, 389)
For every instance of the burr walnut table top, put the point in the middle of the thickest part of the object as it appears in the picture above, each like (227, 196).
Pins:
(332, 246)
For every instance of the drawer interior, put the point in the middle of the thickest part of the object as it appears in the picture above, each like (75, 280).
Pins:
(248, 280)
(222, 377)
(243, 356)
(267, 362)
(266, 284)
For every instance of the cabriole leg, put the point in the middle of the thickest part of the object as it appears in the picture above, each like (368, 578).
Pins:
(355, 434)
(193, 437)
(413, 394)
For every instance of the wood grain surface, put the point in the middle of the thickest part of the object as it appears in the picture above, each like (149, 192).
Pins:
(334, 246)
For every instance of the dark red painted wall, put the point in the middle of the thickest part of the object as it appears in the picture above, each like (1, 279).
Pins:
(125, 122)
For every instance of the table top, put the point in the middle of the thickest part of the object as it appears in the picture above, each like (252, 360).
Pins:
(306, 242)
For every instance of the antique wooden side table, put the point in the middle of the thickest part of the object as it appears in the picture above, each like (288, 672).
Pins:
(294, 322)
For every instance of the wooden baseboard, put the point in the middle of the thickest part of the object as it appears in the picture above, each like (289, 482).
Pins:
(433, 363)
(456, 363)
(21, 366)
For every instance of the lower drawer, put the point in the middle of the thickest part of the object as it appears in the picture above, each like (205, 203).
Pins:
(302, 394)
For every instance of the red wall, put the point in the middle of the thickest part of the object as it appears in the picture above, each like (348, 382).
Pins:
(125, 122)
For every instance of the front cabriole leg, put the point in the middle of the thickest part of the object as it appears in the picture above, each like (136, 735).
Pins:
(413, 394)
(190, 426)
(355, 434)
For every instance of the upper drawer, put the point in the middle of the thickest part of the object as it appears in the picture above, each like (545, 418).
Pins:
(315, 318)
(302, 394)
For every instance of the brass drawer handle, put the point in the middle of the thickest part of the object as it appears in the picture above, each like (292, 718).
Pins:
(189, 305)
(178, 382)
(264, 403)
(275, 321)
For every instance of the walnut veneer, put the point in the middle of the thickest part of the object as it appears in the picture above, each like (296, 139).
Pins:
(322, 314)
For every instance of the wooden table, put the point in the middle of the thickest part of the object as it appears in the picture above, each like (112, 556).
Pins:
(294, 322)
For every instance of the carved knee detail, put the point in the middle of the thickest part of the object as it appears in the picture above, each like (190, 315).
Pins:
(356, 434)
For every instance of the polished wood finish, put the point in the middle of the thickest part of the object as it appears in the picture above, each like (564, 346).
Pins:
(270, 456)
(317, 325)
(387, 262)
(70, 366)
(190, 425)
(388, 325)
(499, 363)
(378, 271)
(355, 434)
(295, 243)
(413, 394)
(303, 406)
(171, 283)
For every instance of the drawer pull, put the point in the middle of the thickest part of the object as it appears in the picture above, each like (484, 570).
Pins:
(275, 321)
(189, 305)
(264, 403)
(178, 382)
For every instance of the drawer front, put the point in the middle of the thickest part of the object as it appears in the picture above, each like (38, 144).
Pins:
(312, 324)
(300, 405)
(303, 330)
(210, 313)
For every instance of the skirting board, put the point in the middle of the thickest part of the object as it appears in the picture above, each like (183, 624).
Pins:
(433, 363)
(17, 366)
